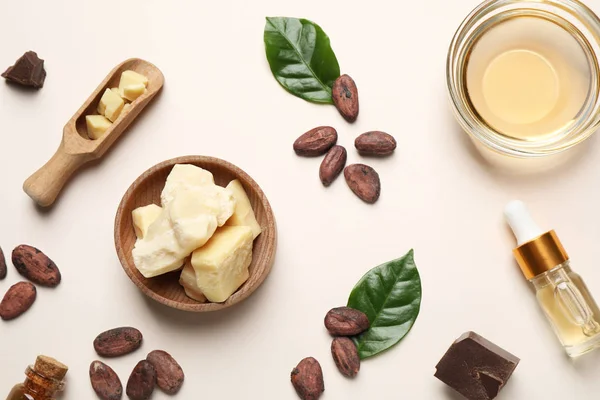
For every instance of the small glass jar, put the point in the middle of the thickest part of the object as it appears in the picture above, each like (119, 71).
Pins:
(43, 381)
(571, 309)
(579, 23)
(560, 292)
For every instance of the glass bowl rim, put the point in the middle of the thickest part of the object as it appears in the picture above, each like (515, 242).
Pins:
(582, 129)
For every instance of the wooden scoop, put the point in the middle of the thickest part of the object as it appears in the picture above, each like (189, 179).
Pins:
(76, 148)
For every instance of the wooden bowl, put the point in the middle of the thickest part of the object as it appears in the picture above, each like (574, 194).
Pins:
(166, 288)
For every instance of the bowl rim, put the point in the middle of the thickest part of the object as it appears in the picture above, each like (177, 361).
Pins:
(195, 307)
(456, 60)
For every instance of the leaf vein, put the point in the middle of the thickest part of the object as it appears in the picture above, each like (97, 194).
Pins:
(325, 87)
(392, 316)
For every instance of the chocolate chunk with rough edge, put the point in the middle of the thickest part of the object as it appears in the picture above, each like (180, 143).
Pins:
(28, 71)
(475, 367)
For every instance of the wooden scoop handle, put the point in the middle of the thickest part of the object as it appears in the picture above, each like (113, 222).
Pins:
(47, 182)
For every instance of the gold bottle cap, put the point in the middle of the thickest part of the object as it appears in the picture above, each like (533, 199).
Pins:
(50, 368)
(540, 255)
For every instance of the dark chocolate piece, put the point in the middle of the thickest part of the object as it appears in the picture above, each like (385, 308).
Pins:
(28, 71)
(476, 367)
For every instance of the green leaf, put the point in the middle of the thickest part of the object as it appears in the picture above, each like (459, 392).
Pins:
(390, 296)
(301, 58)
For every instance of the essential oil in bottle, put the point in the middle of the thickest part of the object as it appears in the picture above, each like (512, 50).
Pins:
(43, 381)
(561, 293)
(528, 78)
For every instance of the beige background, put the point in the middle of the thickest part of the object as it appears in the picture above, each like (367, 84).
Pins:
(439, 197)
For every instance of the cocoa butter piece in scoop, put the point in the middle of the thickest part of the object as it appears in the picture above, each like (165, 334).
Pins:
(27, 71)
(475, 367)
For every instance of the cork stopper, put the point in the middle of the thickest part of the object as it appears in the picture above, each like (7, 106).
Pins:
(50, 368)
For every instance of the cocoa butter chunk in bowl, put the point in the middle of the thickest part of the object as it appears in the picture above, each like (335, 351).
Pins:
(220, 222)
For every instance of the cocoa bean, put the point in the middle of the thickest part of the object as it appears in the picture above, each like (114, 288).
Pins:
(363, 181)
(105, 381)
(307, 379)
(345, 355)
(117, 342)
(332, 164)
(169, 375)
(2, 265)
(316, 142)
(345, 97)
(18, 299)
(346, 321)
(141, 382)
(34, 265)
(375, 143)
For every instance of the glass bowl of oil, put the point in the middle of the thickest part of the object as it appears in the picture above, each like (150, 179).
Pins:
(524, 76)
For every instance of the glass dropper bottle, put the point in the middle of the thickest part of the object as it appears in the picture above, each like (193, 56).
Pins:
(43, 381)
(562, 294)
